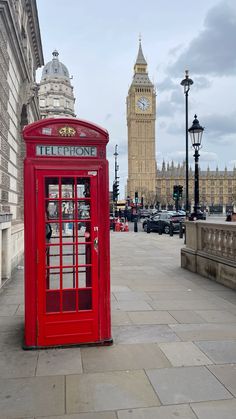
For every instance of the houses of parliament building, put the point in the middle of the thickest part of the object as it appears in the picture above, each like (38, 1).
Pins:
(217, 188)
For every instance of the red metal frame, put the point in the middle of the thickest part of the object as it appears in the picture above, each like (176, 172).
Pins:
(74, 319)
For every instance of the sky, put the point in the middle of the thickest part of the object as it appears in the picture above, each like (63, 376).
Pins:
(98, 42)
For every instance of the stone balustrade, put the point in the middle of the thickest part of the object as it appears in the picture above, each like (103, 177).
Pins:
(211, 250)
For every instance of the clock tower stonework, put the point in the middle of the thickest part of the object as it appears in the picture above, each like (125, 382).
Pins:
(141, 117)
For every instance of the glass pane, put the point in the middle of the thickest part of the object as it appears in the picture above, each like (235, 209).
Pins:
(53, 279)
(67, 209)
(84, 231)
(69, 255)
(84, 276)
(53, 257)
(83, 188)
(52, 187)
(52, 212)
(67, 187)
(55, 237)
(52, 301)
(69, 300)
(84, 254)
(68, 233)
(69, 277)
(85, 299)
(83, 210)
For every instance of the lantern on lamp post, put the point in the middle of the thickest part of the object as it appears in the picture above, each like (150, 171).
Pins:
(196, 132)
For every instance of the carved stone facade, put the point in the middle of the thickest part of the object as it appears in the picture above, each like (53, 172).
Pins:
(217, 189)
(56, 97)
(20, 55)
(141, 116)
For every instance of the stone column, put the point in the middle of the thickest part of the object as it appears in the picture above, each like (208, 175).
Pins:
(5, 246)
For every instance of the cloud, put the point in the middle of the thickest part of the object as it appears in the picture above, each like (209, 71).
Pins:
(108, 116)
(218, 126)
(165, 109)
(166, 84)
(201, 82)
(208, 156)
(211, 52)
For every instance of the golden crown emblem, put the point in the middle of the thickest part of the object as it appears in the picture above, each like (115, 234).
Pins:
(67, 131)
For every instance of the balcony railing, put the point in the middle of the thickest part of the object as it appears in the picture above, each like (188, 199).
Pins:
(211, 250)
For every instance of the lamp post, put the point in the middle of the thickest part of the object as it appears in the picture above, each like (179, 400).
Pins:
(196, 132)
(187, 82)
(115, 183)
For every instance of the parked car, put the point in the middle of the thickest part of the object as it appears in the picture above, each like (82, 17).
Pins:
(161, 222)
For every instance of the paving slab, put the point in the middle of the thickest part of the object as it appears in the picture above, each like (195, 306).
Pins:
(11, 323)
(217, 316)
(162, 412)
(183, 295)
(151, 317)
(131, 296)
(226, 294)
(20, 311)
(123, 357)
(226, 374)
(184, 354)
(208, 331)
(18, 363)
(221, 352)
(23, 397)
(59, 362)
(94, 415)
(143, 334)
(11, 341)
(187, 316)
(156, 286)
(109, 391)
(131, 305)
(189, 304)
(222, 409)
(119, 318)
(8, 309)
(119, 288)
(186, 384)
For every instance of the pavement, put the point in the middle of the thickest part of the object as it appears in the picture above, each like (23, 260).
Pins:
(174, 351)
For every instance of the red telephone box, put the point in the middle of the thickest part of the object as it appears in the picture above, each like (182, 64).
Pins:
(67, 260)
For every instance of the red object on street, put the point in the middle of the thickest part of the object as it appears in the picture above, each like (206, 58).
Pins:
(126, 228)
(67, 254)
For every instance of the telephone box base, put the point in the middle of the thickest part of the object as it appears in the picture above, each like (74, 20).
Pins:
(106, 342)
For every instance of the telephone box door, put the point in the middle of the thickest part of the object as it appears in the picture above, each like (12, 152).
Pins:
(67, 262)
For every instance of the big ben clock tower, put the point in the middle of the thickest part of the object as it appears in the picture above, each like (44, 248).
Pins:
(141, 117)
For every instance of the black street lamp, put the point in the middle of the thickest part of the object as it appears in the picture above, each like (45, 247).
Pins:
(196, 132)
(187, 82)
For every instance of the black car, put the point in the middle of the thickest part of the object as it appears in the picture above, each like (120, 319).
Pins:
(161, 222)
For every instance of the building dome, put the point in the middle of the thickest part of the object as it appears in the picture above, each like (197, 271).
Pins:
(56, 98)
(55, 68)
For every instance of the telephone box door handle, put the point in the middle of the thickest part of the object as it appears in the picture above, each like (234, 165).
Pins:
(95, 244)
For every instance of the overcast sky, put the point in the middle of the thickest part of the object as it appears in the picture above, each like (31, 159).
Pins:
(98, 42)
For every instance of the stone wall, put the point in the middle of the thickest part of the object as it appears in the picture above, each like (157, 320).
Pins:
(211, 251)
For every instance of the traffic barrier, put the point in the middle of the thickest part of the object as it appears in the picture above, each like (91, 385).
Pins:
(117, 225)
(126, 226)
(171, 229)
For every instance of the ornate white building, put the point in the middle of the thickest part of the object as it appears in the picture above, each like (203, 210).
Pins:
(56, 98)
(20, 55)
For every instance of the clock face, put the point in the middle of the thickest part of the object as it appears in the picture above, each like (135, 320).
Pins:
(143, 103)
